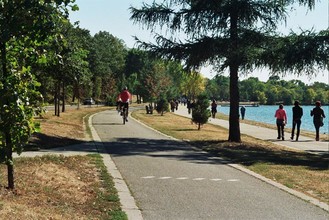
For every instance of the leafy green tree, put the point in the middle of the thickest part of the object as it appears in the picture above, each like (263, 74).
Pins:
(271, 94)
(261, 97)
(107, 62)
(193, 84)
(223, 83)
(68, 67)
(227, 34)
(200, 112)
(286, 96)
(298, 88)
(137, 65)
(162, 105)
(211, 89)
(309, 96)
(24, 26)
(249, 89)
(157, 82)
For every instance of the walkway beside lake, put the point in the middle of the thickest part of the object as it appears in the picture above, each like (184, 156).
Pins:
(304, 143)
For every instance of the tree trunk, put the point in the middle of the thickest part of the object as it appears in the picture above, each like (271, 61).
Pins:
(234, 129)
(55, 99)
(9, 161)
(63, 97)
(8, 143)
(57, 107)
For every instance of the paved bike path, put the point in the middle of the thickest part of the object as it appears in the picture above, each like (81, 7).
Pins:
(304, 143)
(170, 180)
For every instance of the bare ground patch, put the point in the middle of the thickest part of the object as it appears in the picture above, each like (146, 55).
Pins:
(54, 187)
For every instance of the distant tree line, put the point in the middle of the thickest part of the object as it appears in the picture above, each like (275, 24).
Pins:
(271, 92)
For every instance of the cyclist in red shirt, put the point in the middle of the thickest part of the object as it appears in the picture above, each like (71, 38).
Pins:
(125, 98)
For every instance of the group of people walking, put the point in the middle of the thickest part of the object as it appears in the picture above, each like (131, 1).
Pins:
(297, 112)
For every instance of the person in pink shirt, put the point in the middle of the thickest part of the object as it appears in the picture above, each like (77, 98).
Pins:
(281, 121)
(125, 97)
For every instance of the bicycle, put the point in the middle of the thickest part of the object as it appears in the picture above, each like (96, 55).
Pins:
(124, 114)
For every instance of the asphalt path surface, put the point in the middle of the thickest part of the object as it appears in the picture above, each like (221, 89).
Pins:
(171, 180)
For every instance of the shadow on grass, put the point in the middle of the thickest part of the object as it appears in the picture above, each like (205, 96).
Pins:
(41, 141)
(249, 155)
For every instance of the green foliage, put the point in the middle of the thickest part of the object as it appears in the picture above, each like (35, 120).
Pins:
(271, 92)
(162, 106)
(25, 27)
(107, 62)
(200, 111)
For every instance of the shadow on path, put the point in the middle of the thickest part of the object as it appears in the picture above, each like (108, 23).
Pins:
(171, 149)
(240, 153)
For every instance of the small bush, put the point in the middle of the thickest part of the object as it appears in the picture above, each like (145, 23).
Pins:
(200, 112)
(162, 106)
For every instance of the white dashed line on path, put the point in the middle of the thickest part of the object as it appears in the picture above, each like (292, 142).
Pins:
(164, 178)
(182, 178)
(186, 178)
(215, 179)
(148, 177)
(233, 180)
(198, 179)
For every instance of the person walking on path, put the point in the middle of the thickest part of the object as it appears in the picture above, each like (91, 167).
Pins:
(213, 108)
(297, 113)
(243, 112)
(281, 120)
(318, 115)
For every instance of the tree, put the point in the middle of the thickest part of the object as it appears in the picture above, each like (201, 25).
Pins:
(230, 34)
(310, 96)
(200, 112)
(136, 65)
(162, 105)
(24, 26)
(107, 62)
(67, 65)
(193, 84)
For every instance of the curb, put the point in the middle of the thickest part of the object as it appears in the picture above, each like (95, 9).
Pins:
(127, 201)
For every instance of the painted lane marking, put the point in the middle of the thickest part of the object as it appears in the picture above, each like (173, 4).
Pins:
(148, 177)
(185, 178)
(215, 179)
(198, 179)
(165, 177)
(182, 178)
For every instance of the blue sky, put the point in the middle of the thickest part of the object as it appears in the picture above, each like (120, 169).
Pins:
(113, 16)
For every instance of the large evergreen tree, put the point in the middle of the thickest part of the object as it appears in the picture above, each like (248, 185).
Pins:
(233, 34)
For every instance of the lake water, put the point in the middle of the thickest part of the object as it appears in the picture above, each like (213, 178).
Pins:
(265, 113)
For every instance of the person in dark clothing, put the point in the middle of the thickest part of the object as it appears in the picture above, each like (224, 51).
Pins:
(318, 115)
(189, 106)
(213, 108)
(243, 111)
(297, 113)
